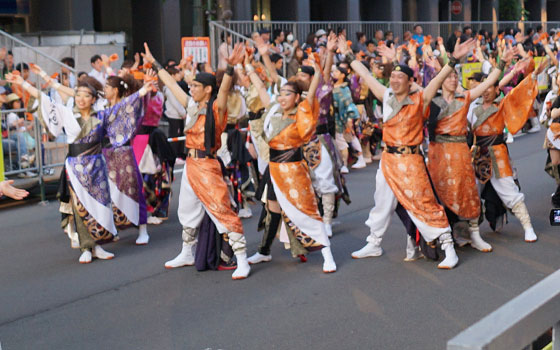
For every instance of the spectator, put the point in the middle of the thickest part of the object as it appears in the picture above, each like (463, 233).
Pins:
(450, 45)
(69, 61)
(295, 63)
(378, 37)
(289, 45)
(6, 64)
(82, 76)
(389, 36)
(360, 44)
(370, 48)
(341, 31)
(321, 35)
(224, 50)
(467, 34)
(418, 34)
(265, 34)
(278, 62)
(406, 37)
(97, 69)
(278, 40)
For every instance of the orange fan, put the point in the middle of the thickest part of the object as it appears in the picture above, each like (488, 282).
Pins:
(413, 42)
(349, 43)
(500, 37)
(308, 51)
(138, 75)
(536, 41)
(32, 65)
(113, 57)
(510, 41)
(427, 40)
(480, 37)
(361, 54)
(381, 43)
(16, 72)
(147, 65)
(55, 75)
(530, 53)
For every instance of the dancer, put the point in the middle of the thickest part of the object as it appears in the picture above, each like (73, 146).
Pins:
(202, 186)
(449, 157)
(86, 201)
(288, 125)
(491, 156)
(402, 176)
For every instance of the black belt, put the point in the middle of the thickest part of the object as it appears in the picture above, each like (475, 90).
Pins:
(403, 149)
(86, 149)
(492, 140)
(556, 120)
(146, 129)
(230, 127)
(256, 115)
(322, 129)
(198, 153)
(286, 156)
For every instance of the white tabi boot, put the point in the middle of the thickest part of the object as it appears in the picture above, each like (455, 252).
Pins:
(258, 258)
(85, 258)
(535, 125)
(371, 249)
(412, 250)
(476, 240)
(520, 211)
(451, 258)
(101, 253)
(143, 237)
(361, 163)
(328, 200)
(239, 246)
(73, 235)
(329, 266)
(186, 256)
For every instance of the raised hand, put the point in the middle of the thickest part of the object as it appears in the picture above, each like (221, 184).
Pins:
(261, 46)
(237, 54)
(462, 49)
(147, 56)
(342, 44)
(331, 42)
(14, 78)
(508, 55)
(3, 52)
(35, 68)
(388, 52)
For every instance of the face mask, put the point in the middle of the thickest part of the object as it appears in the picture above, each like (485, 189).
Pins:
(290, 37)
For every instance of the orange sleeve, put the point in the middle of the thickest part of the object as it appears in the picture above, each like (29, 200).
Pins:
(306, 120)
(515, 107)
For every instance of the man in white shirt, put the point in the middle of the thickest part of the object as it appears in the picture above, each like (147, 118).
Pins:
(98, 71)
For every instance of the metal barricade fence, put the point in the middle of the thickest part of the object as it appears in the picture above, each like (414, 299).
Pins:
(444, 29)
(518, 323)
(216, 32)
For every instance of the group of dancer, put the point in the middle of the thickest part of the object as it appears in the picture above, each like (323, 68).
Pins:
(250, 134)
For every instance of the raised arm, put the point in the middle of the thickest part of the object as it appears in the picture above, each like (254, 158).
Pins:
(314, 82)
(235, 58)
(64, 91)
(494, 75)
(376, 87)
(519, 66)
(18, 80)
(257, 82)
(264, 52)
(331, 48)
(166, 78)
(459, 52)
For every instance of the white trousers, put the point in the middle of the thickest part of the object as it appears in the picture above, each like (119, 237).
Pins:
(191, 210)
(506, 189)
(385, 205)
(322, 176)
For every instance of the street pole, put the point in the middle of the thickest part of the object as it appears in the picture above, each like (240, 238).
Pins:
(198, 18)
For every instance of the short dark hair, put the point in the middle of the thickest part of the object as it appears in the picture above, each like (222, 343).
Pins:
(275, 57)
(416, 26)
(466, 28)
(359, 35)
(23, 65)
(69, 61)
(94, 58)
(370, 42)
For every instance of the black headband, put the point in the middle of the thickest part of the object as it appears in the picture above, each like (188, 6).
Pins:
(307, 70)
(206, 79)
(404, 69)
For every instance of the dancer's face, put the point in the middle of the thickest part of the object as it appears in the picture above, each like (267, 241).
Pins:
(400, 82)
(110, 92)
(200, 92)
(288, 98)
(451, 82)
(490, 94)
(84, 98)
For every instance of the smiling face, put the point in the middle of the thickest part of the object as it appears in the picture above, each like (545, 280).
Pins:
(490, 94)
(84, 99)
(110, 92)
(288, 97)
(200, 92)
(97, 65)
(400, 82)
(451, 82)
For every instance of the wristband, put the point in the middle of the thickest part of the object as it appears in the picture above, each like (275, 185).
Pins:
(350, 57)
(249, 68)
(452, 62)
(502, 65)
(157, 66)
(26, 85)
(56, 85)
(229, 70)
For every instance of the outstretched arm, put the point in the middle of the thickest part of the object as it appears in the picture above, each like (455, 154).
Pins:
(314, 82)
(493, 77)
(235, 58)
(460, 51)
(331, 47)
(376, 87)
(257, 82)
(166, 78)
(263, 51)
(18, 80)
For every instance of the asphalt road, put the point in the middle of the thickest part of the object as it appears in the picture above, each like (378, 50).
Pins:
(49, 301)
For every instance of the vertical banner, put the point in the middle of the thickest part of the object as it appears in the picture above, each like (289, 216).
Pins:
(197, 47)
(468, 69)
(542, 79)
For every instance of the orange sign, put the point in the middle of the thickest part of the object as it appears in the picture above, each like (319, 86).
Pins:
(197, 47)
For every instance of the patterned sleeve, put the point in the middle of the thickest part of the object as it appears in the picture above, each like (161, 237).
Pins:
(57, 118)
(122, 120)
(306, 121)
(349, 109)
(516, 106)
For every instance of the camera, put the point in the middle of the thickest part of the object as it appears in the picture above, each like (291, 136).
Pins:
(555, 217)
